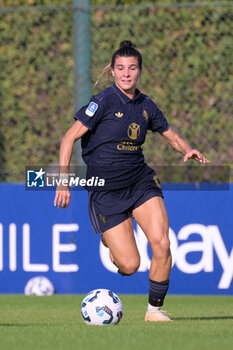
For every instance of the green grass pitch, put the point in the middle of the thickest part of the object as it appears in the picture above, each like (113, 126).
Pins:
(54, 323)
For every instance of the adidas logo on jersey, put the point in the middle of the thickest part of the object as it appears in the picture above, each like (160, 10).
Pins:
(119, 115)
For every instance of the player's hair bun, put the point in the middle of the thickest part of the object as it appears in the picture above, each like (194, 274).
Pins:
(126, 43)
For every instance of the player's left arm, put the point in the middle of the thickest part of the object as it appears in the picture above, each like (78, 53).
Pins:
(182, 146)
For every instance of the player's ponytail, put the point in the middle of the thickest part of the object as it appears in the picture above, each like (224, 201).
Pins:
(106, 71)
(126, 49)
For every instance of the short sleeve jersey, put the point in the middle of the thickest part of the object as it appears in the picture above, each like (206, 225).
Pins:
(117, 125)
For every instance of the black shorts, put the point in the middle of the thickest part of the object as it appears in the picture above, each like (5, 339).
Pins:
(109, 208)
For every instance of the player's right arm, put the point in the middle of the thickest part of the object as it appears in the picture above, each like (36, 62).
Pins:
(77, 130)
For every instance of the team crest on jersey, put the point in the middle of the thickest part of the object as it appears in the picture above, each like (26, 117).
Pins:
(91, 109)
(119, 115)
(133, 131)
(145, 115)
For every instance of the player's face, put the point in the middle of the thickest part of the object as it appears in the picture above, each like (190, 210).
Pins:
(126, 73)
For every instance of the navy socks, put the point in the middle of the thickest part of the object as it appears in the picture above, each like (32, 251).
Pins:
(157, 292)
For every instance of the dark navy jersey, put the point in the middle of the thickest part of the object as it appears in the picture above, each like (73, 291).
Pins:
(117, 125)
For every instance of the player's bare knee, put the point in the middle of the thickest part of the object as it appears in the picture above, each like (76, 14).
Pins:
(129, 267)
(165, 244)
(160, 244)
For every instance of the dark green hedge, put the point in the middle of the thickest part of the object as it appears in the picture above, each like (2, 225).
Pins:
(36, 86)
(187, 71)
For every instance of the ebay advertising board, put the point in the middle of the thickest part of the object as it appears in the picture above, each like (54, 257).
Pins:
(38, 239)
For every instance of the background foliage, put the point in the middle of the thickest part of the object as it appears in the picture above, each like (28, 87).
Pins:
(187, 55)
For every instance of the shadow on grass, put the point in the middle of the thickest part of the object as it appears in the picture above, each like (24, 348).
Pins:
(215, 318)
(205, 318)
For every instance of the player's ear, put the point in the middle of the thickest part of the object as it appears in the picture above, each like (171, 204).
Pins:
(112, 71)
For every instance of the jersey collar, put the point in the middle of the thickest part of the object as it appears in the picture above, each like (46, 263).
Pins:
(125, 99)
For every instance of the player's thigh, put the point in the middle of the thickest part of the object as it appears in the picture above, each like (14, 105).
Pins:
(121, 241)
(152, 217)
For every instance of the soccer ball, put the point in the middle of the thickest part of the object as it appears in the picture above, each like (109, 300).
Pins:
(101, 307)
(40, 286)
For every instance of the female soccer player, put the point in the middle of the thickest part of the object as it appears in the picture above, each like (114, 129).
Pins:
(113, 127)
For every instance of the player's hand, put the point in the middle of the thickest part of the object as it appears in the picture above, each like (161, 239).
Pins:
(62, 197)
(195, 154)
